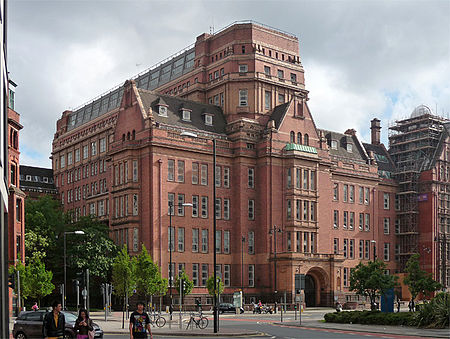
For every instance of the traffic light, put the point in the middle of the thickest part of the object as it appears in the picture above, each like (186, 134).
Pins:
(12, 280)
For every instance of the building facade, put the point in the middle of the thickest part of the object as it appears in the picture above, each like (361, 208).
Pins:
(37, 181)
(290, 198)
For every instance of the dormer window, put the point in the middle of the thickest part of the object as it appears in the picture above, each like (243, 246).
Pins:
(334, 144)
(186, 114)
(208, 119)
(349, 148)
(162, 111)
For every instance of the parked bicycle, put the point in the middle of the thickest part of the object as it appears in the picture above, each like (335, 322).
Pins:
(156, 318)
(200, 322)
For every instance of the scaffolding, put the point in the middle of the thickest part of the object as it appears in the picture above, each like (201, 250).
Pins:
(412, 144)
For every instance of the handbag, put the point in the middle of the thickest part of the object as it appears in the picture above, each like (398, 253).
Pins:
(91, 334)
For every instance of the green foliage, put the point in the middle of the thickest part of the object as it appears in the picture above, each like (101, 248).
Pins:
(93, 250)
(371, 318)
(37, 281)
(369, 279)
(123, 274)
(418, 280)
(210, 285)
(148, 277)
(188, 283)
(20, 267)
(435, 314)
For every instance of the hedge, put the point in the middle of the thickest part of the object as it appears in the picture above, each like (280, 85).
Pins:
(371, 318)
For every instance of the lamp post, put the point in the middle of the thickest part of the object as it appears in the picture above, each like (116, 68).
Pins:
(374, 242)
(215, 309)
(171, 244)
(65, 266)
(274, 232)
(242, 265)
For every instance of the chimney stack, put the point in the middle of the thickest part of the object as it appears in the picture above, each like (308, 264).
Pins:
(376, 130)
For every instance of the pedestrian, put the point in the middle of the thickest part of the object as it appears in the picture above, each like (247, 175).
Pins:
(140, 323)
(398, 305)
(35, 307)
(411, 305)
(54, 323)
(198, 304)
(83, 325)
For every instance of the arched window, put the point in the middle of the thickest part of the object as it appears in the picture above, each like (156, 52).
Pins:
(123, 137)
(306, 140)
(133, 135)
(300, 109)
(299, 138)
(292, 137)
(128, 136)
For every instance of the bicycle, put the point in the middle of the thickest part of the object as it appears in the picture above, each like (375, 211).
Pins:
(157, 319)
(201, 322)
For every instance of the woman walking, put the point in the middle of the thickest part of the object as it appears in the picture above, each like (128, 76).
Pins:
(83, 325)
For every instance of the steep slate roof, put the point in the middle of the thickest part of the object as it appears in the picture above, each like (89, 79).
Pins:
(357, 153)
(154, 77)
(174, 115)
(40, 173)
(382, 157)
(278, 113)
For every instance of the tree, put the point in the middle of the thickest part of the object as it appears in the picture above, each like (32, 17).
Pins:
(418, 280)
(147, 274)
(37, 280)
(123, 276)
(188, 284)
(210, 285)
(369, 280)
(19, 267)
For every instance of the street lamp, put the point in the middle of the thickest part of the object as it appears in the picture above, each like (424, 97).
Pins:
(242, 265)
(65, 266)
(374, 242)
(215, 309)
(274, 231)
(171, 244)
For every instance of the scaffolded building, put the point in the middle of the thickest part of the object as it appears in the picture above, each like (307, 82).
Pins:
(418, 147)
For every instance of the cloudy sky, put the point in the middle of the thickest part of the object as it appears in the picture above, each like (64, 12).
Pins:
(362, 59)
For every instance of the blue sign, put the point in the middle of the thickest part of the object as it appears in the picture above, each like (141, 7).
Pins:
(387, 301)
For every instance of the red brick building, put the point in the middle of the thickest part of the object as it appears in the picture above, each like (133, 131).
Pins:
(327, 199)
(16, 198)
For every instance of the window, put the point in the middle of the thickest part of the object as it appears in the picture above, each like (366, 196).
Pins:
(289, 177)
(289, 209)
(289, 241)
(251, 177)
(251, 209)
(361, 249)
(336, 245)
(162, 111)
(251, 242)
(226, 177)
(102, 145)
(345, 248)
(218, 176)
(397, 202)
(305, 242)
(180, 207)
(334, 144)
(298, 177)
(62, 161)
(226, 242)
(281, 98)
(85, 152)
(361, 194)
(292, 137)
(171, 203)
(345, 193)
(195, 206)
(226, 275)
(299, 138)
(135, 170)
(181, 239)
(218, 208)
(397, 226)
(305, 209)
(251, 275)
(243, 68)
(293, 77)
(386, 225)
(352, 194)
(386, 252)
(267, 71)
(280, 74)
(195, 240)
(204, 174)
(397, 252)
(135, 204)
(305, 179)
(345, 276)
(204, 241)
(204, 274)
(367, 225)
(386, 201)
(170, 170)
(18, 210)
(180, 165)
(366, 195)
(93, 148)
(313, 242)
(218, 241)
(208, 119)
(243, 97)
(195, 173)
(267, 100)
(306, 139)
(336, 219)
(336, 192)
(312, 181)
(367, 249)
(361, 221)
(349, 148)
(352, 220)
(195, 274)
(352, 246)
(204, 207)
(297, 209)
(226, 209)
(345, 223)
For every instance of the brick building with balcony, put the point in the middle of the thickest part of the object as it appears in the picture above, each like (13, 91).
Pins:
(291, 198)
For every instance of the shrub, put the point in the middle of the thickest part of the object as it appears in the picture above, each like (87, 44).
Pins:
(436, 313)
(371, 318)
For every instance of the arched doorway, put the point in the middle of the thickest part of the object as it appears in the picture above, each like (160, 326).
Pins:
(310, 291)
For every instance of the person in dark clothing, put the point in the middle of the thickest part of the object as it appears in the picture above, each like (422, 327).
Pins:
(199, 305)
(140, 323)
(83, 324)
(398, 305)
(54, 323)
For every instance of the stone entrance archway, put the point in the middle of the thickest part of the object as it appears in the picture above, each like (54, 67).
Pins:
(317, 287)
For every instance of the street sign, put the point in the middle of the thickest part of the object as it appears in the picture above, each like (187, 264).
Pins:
(299, 283)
